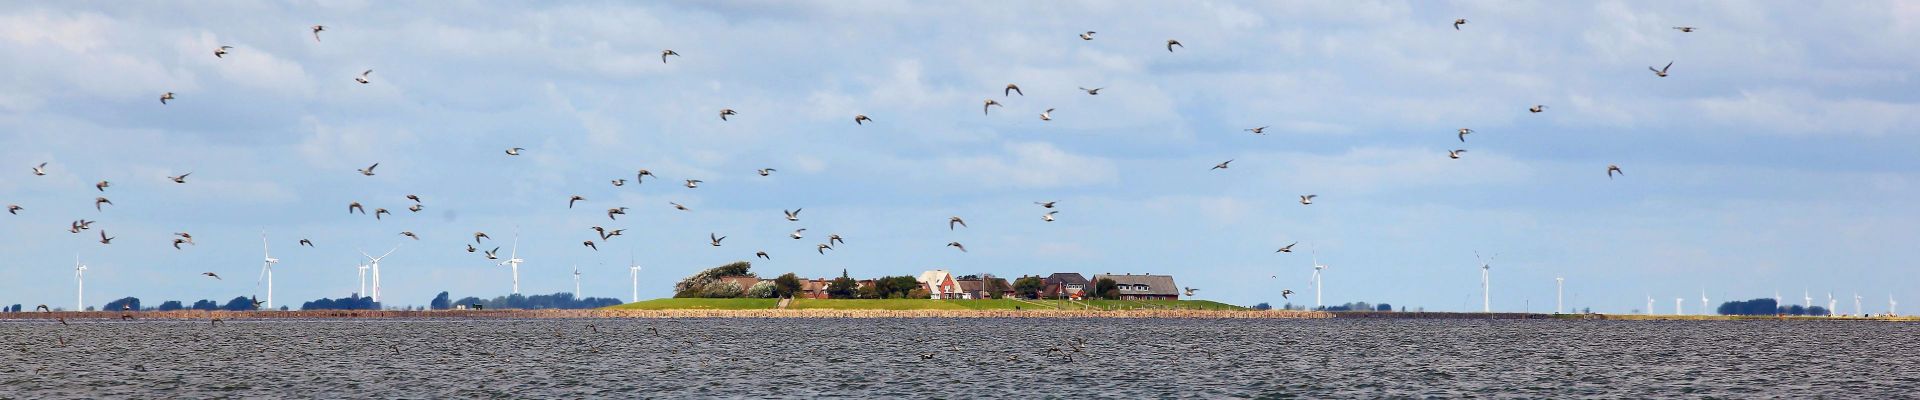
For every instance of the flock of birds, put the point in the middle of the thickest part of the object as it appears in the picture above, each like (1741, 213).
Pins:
(606, 234)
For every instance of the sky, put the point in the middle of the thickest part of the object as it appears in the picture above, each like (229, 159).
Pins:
(1775, 157)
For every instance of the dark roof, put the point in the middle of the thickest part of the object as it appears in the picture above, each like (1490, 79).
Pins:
(1160, 285)
(1066, 277)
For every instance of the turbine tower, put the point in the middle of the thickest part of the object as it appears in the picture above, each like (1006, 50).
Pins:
(1704, 305)
(80, 285)
(1559, 293)
(374, 264)
(1776, 301)
(1317, 276)
(576, 282)
(1676, 305)
(633, 272)
(363, 280)
(267, 269)
(1649, 304)
(1856, 305)
(513, 261)
(1830, 303)
(1809, 302)
(1890, 304)
(1486, 293)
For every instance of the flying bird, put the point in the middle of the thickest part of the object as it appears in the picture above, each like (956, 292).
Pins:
(575, 198)
(1611, 168)
(762, 254)
(610, 233)
(1662, 72)
(796, 233)
(1463, 134)
(414, 197)
(1537, 109)
(616, 210)
(40, 170)
(1190, 291)
(1046, 115)
(177, 242)
(694, 183)
(822, 248)
(793, 215)
(164, 97)
(1307, 199)
(212, 275)
(1457, 22)
(619, 182)
(1286, 249)
(416, 208)
(363, 77)
(493, 254)
(677, 206)
(1455, 154)
(1045, 204)
(187, 237)
(1221, 165)
(1257, 131)
(724, 112)
(471, 249)
(1012, 88)
(377, 211)
(356, 206)
(1171, 43)
(103, 237)
(1087, 36)
(368, 171)
(1049, 216)
(1286, 292)
(14, 209)
(957, 245)
(861, 119)
(590, 244)
(221, 52)
(640, 177)
(715, 240)
(834, 239)
(305, 242)
(1683, 28)
(951, 221)
(765, 171)
(97, 201)
(1092, 92)
(410, 234)
(990, 103)
(514, 151)
(102, 186)
(316, 32)
(667, 52)
(180, 179)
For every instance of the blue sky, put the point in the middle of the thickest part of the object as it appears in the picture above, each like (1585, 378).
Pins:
(1776, 156)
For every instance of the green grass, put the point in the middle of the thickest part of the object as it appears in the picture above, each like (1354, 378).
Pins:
(699, 304)
(921, 304)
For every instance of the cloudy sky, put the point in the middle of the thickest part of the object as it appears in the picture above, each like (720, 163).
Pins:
(1776, 157)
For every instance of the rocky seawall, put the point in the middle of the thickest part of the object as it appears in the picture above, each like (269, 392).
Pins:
(534, 314)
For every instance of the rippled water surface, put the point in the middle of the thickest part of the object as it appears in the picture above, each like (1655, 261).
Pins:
(959, 358)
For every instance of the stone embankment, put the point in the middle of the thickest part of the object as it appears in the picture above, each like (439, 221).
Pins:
(770, 313)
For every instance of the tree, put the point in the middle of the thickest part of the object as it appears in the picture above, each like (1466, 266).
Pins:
(763, 290)
(440, 302)
(240, 303)
(1028, 287)
(918, 293)
(1262, 307)
(169, 305)
(997, 287)
(207, 305)
(1383, 307)
(786, 285)
(842, 287)
(1107, 288)
(560, 300)
(122, 303)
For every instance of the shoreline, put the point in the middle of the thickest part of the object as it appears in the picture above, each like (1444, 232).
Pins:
(200, 315)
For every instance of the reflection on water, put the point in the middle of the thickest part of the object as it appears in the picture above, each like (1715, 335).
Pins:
(968, 358)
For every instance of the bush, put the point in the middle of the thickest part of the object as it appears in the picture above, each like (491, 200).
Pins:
(698, 284)
(919, 293)
(170, 305)
(1262, 307)
(122, 303)
(1107, 289)
(762, 290)
(721, 290)
(440, 302)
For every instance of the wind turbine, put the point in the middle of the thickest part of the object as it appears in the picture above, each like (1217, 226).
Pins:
(632, 272)
(513, 261)
(1676, 305)
(1830, 303)
(1649, 304)
(1776, 301)
(363, 280)
(1809, 301)
(374, 263)
(1704, 305)
(267, 269)
(1856, 305)
(1317, 278)
(576, 281)
(1559, 290)
(80, 285)
(1486, 294)
(1890, 305)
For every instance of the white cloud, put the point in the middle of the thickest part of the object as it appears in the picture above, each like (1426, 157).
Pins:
(1033, 164)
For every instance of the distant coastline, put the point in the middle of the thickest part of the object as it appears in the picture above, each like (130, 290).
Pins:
(208, 316)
